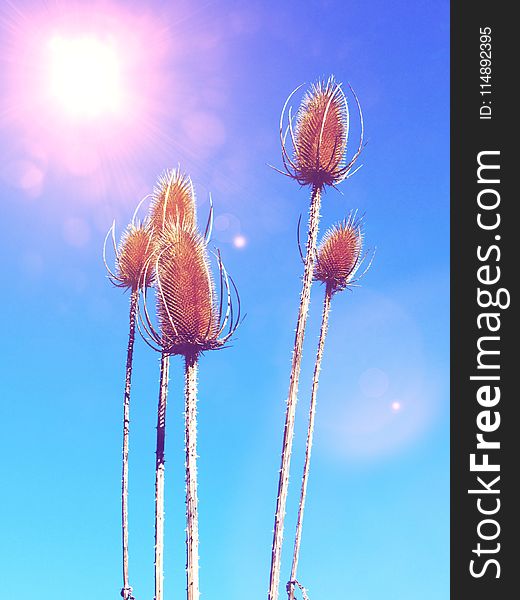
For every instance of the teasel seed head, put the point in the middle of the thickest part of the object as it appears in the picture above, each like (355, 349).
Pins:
(173, 201)
(131, 257)
(319, 134)
(339, 254)
(189, 317)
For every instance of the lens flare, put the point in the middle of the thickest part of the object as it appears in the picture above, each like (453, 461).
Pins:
(239, 241)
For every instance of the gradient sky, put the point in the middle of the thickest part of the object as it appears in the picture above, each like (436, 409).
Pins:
(207, 81)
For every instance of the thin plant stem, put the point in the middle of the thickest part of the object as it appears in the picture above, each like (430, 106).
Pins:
(159, 477)
(126, 592)
(192, 519)
(283, 483)
(310, 435)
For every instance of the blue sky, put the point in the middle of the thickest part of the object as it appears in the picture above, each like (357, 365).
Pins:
(377, 519)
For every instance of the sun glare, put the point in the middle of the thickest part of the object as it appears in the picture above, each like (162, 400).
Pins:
(85, 76)
(87, 90)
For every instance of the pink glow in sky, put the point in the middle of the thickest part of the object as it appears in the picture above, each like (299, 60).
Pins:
(83, 87)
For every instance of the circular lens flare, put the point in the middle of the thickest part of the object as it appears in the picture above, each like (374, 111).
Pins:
(85, 76)
(239, 241)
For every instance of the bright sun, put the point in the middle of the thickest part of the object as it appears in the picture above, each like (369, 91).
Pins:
(85, 76)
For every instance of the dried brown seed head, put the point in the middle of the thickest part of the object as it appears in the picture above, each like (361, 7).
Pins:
(135, 249)
(339, 255)
(187, 313)
(321, 134)
(173, 201)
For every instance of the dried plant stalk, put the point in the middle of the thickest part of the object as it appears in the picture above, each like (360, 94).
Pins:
(338, 259)
(127, 590)
(318, 160)
(192, 519)
(190, 323)
(132, 255)
(310, 433)
(159, 477)
(283, 484)
(173, 201)
(173, 206)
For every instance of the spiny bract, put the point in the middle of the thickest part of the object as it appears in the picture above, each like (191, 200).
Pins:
(320, 134)
(186, 307)
(339, 255)
(173, 202)
(135, 249)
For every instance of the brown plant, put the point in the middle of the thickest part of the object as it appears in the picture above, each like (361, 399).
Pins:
(338, 260)
(173, 203)
(190, 322)
(339, 254)
(134, 252)
(192, 317)
(319, 134)
(186, 293)
(319, 141)
(131, 257)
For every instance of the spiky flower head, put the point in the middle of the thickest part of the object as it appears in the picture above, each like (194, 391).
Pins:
(186, 298)
(339, 254)
(173, 202)
(319, 136)
(131, 257)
